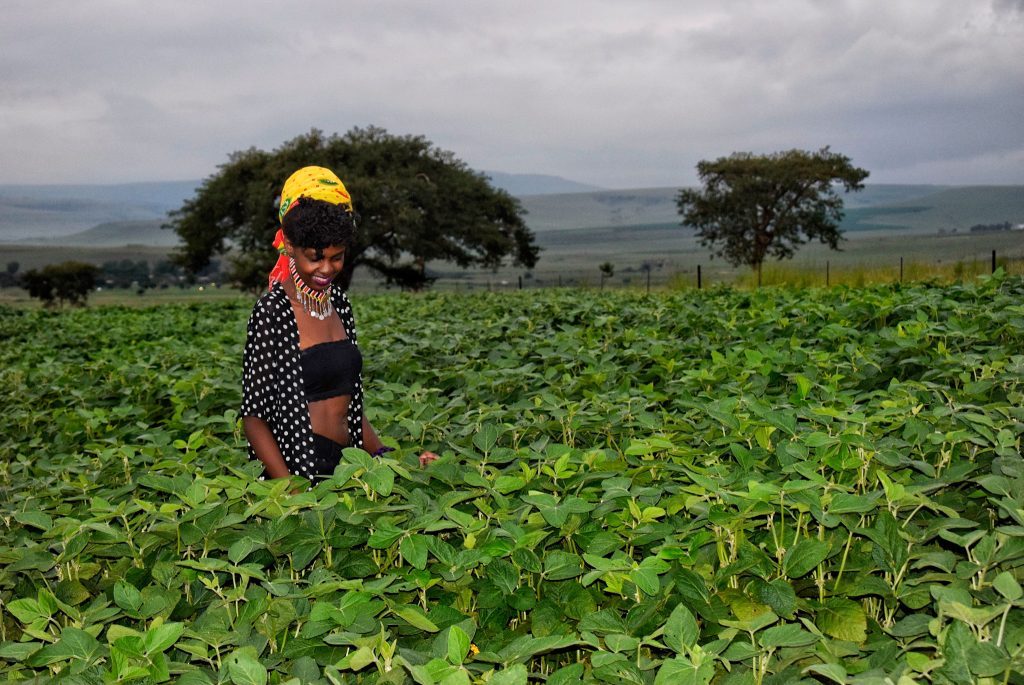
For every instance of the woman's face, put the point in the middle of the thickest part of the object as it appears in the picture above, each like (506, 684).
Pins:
(317, 267)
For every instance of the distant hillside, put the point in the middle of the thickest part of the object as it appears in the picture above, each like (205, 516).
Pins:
(644, 206)
(104, 216)
(43, 212)
(948, 209)
(157, 196)
(877, 207)
(887, 194)
(537, 184)
(117, 233)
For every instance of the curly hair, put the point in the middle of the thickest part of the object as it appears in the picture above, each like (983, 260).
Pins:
(317, 224)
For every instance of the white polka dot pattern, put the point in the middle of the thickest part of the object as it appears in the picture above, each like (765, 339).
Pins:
(271, 378)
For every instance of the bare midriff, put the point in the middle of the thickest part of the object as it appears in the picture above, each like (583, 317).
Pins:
(330, 418)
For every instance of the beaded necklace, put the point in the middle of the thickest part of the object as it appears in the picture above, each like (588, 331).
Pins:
(315, 303)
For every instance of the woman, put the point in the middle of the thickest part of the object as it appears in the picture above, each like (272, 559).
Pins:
(302, 395)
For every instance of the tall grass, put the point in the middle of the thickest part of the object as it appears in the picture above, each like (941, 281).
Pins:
(858, 275)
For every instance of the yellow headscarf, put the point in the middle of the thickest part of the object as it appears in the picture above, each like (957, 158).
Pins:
(314, 182)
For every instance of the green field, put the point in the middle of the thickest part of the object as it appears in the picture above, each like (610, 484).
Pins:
(778, 486)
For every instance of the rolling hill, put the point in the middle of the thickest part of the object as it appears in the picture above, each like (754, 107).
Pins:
(131, 214)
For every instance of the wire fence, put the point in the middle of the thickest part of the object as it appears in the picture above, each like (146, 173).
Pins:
(822, 273)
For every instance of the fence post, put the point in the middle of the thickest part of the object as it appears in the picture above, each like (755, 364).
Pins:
(520, 282)
(699, 284)
(993, 261)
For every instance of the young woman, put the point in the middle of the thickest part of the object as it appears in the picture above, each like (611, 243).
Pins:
(302, 394)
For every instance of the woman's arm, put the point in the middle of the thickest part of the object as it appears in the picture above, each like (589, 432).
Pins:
(372, 443)
(257, 432)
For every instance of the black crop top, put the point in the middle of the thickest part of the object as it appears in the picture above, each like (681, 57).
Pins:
(330, 369)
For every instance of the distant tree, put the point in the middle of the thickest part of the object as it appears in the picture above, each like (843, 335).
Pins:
(69, 282)
(416, 204)
(607, 271)
(126, 273)
(756, 206)
(9, 277)
(166, 272)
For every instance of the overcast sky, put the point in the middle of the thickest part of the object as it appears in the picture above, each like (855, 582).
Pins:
(623, 94)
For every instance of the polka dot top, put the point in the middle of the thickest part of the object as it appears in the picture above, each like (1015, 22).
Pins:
(272, 388)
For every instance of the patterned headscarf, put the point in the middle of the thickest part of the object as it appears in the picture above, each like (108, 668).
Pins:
(314, 182)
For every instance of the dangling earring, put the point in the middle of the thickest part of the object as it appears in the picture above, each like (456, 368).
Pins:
(315, 303)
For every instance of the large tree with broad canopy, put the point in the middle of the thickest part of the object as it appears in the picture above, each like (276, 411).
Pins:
(416, 204)
(755, 206)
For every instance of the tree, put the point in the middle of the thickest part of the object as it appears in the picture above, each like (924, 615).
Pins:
(607, 271)
(65, 282)
(416, 204)
(755, 206)
(126, 273)
(9, 277)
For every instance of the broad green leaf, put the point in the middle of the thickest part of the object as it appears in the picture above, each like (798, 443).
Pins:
(804, 556)
(787, 635)
(509, 484)
(360, 659)
(74, 644)
(161, 637)
(646, 580)
(833, 672)
(35, 519)
(513, 675)
(130, 646)
(458, 645)
(846, 503)
(18, 651)
(779, 595)
(567, 675)
(242, 547)
(562, 565)
(245, 669)
(128, 597)
(486, 438)
(159, 670)
(681, 671)
(28, 610)
(681, 630)
(957, 648)
(1007, 586)
(414, 550)
(385, 535)
(414, 617)
(617, 642)
(380, 478)
(522, 648)
(503, 575)
(843, 619)
(974, 616)
(987, 660)
(603, 621)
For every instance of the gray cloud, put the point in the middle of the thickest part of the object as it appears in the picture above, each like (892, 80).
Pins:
(618, 94)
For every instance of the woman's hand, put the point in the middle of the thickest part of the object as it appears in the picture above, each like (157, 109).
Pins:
(427, 458)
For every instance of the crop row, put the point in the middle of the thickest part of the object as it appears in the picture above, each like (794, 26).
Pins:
(767, 487)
